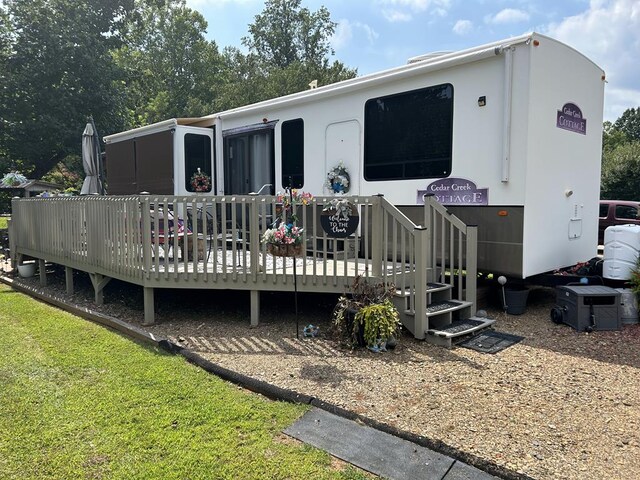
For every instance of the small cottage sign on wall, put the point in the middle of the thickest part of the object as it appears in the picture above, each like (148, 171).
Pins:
(339, 219)
(570, 118)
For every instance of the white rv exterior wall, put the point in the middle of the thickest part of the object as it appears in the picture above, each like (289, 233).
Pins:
(534, 174)
(560, 161)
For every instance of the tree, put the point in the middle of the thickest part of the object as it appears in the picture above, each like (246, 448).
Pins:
(629, 124)
(57, 71)
(171, 69)
(621, 173)
(289, 47)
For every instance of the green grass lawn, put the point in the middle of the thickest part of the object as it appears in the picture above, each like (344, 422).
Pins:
(3, 222)
(80, 401)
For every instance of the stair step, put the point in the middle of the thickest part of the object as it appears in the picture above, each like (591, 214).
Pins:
(432, 287)
(446, 306)
(459, 328)
(437, 287)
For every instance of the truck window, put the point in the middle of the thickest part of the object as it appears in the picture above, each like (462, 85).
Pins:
(409, 135)
(197, 155)
(626, 212)
(292, 134)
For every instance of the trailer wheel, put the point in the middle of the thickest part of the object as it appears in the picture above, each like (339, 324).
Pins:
(556, 314)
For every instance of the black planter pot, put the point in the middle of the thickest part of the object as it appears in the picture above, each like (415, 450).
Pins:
(350, 317)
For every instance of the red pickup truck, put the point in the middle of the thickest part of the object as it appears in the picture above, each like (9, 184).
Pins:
(617, 212)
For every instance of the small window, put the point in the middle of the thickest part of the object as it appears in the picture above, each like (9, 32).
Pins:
(293, 153)
(604, 210)
(409, 135)
(626, 212)
(197, 155)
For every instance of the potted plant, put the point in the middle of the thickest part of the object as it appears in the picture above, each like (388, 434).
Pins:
(367, 316)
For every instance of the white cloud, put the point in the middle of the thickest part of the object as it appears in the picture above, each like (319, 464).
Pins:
(345, 31)
(608, 32)
(396, 16)
(508, 15)
(462, 27)
(403, 10)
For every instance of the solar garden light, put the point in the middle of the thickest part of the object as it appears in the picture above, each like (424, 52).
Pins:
(502, 280)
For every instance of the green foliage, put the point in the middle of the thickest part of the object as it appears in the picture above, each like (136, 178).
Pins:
(380, 320)
(634, 281)
(171, 70)
(134, 62)
(629, 124)
(58, 71)
(80, 401)
(620, 179)
(621, 172)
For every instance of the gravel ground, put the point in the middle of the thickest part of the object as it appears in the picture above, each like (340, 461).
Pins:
(558, 405)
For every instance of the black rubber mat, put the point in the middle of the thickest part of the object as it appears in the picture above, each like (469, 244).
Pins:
(378, 452)
(490, 341)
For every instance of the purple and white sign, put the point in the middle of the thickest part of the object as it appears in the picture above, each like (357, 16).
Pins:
(570, 118)
(455, 191)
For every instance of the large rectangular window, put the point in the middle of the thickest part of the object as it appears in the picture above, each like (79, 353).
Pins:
(409, 135)
(293, 153)
(197, 155)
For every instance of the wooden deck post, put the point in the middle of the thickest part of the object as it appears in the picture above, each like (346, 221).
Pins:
(472, 266)
(146, 233)
(149, 306)
(376, 237)
(43, 272)
(68, 275)
(255, 307)
(99, 282)
(421, 324)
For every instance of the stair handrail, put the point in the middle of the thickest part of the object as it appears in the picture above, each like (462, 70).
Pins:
(470, 232)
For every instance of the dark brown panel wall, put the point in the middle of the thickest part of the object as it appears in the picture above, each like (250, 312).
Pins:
(143, 164)
(120, 168)
(154, 161)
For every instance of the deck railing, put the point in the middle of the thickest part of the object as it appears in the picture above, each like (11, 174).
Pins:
(215, 242)
(452, 250)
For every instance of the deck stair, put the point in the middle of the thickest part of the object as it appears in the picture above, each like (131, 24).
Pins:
(447, 319)
(457, 330)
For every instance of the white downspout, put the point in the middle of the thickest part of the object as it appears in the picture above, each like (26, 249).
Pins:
(506, 116)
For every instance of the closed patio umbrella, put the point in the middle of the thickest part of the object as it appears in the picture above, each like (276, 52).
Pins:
(90, 161)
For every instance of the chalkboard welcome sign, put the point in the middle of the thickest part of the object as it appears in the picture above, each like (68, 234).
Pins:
(340, 220)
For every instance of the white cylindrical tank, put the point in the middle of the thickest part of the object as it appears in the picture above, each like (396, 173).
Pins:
(621, 248)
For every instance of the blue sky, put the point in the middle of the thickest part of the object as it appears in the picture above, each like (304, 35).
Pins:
(379, 34)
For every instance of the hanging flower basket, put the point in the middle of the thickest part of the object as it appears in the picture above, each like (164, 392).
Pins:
(285, 250)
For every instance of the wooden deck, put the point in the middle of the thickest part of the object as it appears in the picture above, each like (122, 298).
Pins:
(218, 246)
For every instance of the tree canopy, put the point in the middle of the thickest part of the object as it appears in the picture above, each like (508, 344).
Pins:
(621, 157)
(128, 63)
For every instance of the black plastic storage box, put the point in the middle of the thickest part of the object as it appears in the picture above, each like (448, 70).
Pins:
(587, 307)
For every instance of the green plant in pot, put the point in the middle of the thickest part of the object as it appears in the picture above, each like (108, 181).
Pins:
(366, 316)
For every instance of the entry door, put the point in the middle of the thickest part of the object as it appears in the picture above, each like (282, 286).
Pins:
(248, 163)
(343, 144)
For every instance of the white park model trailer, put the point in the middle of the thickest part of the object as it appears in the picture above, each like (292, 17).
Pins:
(507, 135)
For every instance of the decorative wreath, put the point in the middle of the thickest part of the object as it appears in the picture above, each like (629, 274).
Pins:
(200, 182)
(338, 180)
